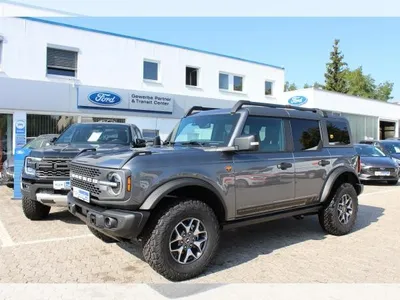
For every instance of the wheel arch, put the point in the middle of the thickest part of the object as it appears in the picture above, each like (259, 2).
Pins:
(190, 188)
(336, 178)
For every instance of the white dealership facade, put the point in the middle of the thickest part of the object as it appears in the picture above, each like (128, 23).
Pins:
(53, 74)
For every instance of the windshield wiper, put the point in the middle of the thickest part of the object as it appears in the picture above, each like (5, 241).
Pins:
(194, 143)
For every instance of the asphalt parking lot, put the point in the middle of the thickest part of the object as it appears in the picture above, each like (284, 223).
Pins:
(62, 250)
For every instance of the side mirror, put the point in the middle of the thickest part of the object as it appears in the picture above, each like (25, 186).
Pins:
(52, 140)
(139, 143)
(157, 141)
(246, 143)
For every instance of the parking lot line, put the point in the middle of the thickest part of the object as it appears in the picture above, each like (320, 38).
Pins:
(5, 238)
(47, 240)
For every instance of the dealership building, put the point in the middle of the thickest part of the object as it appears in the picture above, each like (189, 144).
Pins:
(53, 75)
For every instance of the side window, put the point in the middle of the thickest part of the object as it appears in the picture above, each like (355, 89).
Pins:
(306, 134)
(269, 131)
(138, 133)
(338, 133)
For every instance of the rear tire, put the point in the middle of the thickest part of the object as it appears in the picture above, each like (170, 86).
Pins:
(102, 236)
(165, 240)
(34, 210)
(339, 217)
(392, 182)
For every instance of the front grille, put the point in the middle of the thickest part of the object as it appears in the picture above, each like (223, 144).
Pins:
(53, 167)
(373, 170)
(85, 171)
(87, 186)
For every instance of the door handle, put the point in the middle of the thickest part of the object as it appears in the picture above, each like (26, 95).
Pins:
(324, 162)
(284, 165)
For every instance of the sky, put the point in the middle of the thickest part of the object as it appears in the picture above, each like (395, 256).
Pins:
(301, 45)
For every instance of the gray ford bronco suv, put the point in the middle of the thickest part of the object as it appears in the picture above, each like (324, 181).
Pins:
(45, 177)
(219, 168)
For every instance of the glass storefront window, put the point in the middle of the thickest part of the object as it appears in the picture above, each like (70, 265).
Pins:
(6, 137)
(101, 119)
(47, 124)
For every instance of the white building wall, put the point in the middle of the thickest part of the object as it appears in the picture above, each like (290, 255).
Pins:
(116, 62)
(18, 10)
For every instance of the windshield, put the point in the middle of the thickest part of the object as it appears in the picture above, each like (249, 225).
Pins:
(96, 134)
(210, 130)
(392, 148)
(369, 151)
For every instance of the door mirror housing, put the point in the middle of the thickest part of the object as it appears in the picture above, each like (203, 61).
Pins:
(140, 143)
(246, 143)
(157, 141)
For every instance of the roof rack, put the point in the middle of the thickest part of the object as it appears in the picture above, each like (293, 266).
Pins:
(240, 103)
(199, 108)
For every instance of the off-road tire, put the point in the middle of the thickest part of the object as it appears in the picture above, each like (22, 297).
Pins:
(329, 217)
(10, 186)
(102, 236)
(34, 210)
(157, 237)
(392, 182)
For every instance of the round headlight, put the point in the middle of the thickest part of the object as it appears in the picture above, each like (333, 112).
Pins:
(115, 178)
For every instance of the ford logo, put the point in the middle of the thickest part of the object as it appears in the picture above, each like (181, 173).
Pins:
(297, 100)
(104, 98)
(20, 124)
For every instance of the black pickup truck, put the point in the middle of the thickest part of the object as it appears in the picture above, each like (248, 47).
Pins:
(46, 172)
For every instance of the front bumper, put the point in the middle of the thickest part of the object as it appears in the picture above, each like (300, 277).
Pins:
(44, 193)
(118, 224)
(367, 177)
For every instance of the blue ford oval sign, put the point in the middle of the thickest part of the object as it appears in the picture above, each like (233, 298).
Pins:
(104, 98)
(297, 100)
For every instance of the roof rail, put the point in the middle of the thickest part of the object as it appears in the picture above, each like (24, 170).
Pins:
(240, 103)
(199, 108)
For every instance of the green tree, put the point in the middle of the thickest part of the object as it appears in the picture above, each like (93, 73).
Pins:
(383, 91)
(290, 86)
(363, 85)
(307, 86)
(336, 70)
(360, 84)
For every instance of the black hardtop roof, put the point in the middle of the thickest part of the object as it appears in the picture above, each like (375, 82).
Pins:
(267, 109)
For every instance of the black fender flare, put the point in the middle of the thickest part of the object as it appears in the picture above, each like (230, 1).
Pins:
(160, 192)
(333, 176)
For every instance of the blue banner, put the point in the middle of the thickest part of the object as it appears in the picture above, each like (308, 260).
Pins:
(19, 159)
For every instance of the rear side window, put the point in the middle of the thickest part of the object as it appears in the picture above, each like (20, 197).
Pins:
(338, 133)
(306, 134)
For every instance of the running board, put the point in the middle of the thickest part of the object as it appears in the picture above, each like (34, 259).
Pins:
(271, 217)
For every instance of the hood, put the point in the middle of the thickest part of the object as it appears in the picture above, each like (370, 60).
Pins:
(395, 155)
(71, 150)
(121, 156)
(379, 162)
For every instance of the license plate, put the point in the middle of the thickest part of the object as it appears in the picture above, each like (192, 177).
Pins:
(62, 185)
(382, 173)
(81, 194)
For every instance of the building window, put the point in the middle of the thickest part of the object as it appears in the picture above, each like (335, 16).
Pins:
(306, 134)
(150, 70)
(230, 82)
(238, 83)
(150, 133)
(62, 62)
(223, 81)
(101, 119)
(47, 124)
(338, 133)
(192, 76)
(268, 88)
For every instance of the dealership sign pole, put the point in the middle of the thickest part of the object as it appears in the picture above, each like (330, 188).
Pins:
(19, 140)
